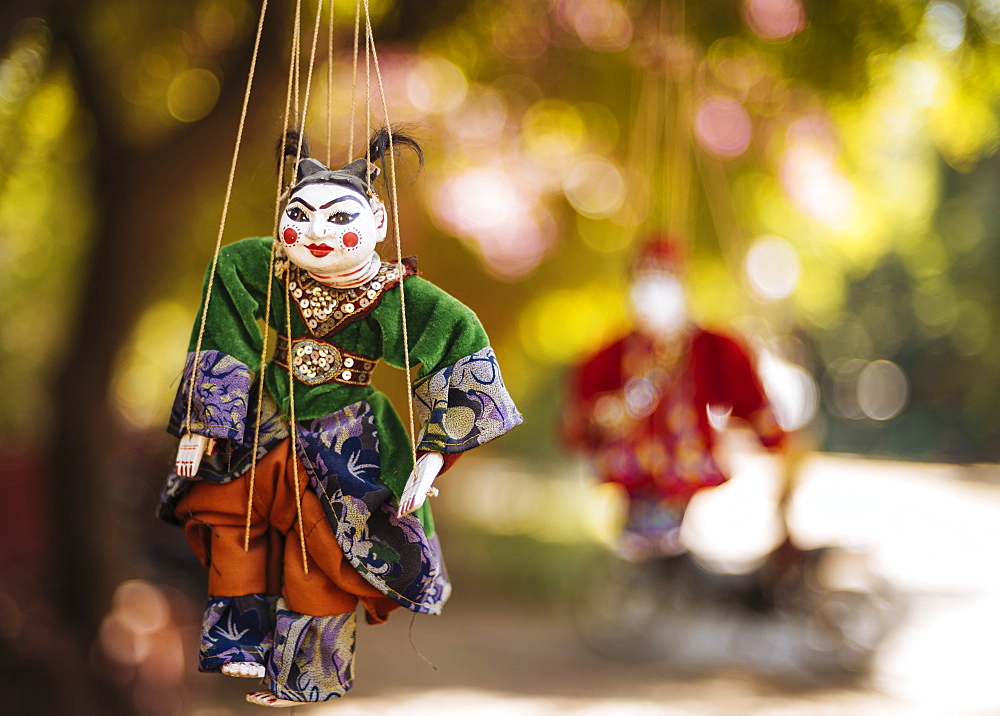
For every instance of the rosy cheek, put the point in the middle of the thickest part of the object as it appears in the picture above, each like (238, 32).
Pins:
(290, 235)
(351, 239)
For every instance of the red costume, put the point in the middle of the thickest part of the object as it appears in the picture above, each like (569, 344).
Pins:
(639, 409)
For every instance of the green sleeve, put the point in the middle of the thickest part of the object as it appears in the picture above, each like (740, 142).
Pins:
(440, 328)
(460, 397)
(237, 302)
(222, 368)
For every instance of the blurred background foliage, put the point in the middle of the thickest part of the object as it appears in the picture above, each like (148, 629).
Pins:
(853, 141)
(832, 167)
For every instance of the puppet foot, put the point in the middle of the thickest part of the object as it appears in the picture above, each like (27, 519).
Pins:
(266, 698)
(244, 669)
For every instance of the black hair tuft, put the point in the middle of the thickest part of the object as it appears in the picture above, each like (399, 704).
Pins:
(292, 146)
(378, 147)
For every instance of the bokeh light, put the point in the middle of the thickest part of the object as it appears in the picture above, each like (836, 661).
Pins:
(918, 80)
(140, 610)
(436, 85)
(722, 127)
(499, 214)
(192, 94)
(841, 387)
(944, 22)
(520, 34)
(602, 25)
(141, 607)
(146, 378)
(810, 175)
(883, 390)
(987, 15)
(553, 133)
(564, 325)
(736, 65)
(216, 24)
(595, 187)
(481, 119)
(772, 268)
(791, 389)
(641, 398)
(774, 20)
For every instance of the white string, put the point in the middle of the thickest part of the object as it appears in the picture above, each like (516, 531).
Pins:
(289, 297)
(354, 75)
(393, 198)
(225, 214)
(270, 284)
(329, 88)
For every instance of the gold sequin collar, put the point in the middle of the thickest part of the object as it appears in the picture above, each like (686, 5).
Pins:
(325, 309)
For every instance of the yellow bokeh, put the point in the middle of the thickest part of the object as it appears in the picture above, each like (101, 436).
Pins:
(563, 325)
(148, 369)
(553, 130)
(192, 94)
(821, 291)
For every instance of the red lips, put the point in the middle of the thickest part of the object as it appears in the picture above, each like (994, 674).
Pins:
(319, 250)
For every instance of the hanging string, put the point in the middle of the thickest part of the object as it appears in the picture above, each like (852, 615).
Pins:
(369, 48)
(289, 298)
(270, 283)
(393, 200)
(309, 79)
(655, 109)
(296, 61)
(653, 148)
(354, 75)
(634, 158)
(718, 196)
(329, 89)
(667, 129)
(637, 162)
(682, 142)
(413, 645)
(225, 214)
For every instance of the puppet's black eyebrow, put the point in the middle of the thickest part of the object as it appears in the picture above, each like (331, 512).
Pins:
(297, 199)
(343, 198)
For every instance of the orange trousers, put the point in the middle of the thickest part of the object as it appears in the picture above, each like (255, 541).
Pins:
(215, 525)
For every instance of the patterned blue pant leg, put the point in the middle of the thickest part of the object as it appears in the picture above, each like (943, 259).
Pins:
(313, 657)
(653, 518)
(236, 629)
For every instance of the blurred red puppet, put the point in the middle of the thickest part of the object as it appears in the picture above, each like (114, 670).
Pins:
(639, 407)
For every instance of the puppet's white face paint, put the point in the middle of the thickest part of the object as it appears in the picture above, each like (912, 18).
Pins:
(331, 230)
(659, 304)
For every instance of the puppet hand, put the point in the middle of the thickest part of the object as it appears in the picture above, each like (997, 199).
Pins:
(420, 484)
(192, 449)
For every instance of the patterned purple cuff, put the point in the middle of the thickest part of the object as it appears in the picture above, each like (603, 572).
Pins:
(464, 405)
(313, 657)
(219, 400)
(236, 629)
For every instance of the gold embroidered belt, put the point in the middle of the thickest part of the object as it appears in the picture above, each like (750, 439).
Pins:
(317, 362)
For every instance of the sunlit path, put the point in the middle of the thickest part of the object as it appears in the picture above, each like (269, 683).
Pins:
(928, 531)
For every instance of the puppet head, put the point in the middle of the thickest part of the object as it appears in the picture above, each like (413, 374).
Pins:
(331, 225)
(333, 219)
(657, 295)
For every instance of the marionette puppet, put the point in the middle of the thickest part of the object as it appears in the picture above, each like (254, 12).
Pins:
(301, 497)
(638, 408)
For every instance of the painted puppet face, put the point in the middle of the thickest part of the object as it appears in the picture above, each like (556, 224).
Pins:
(658, 303)
(331, 230)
